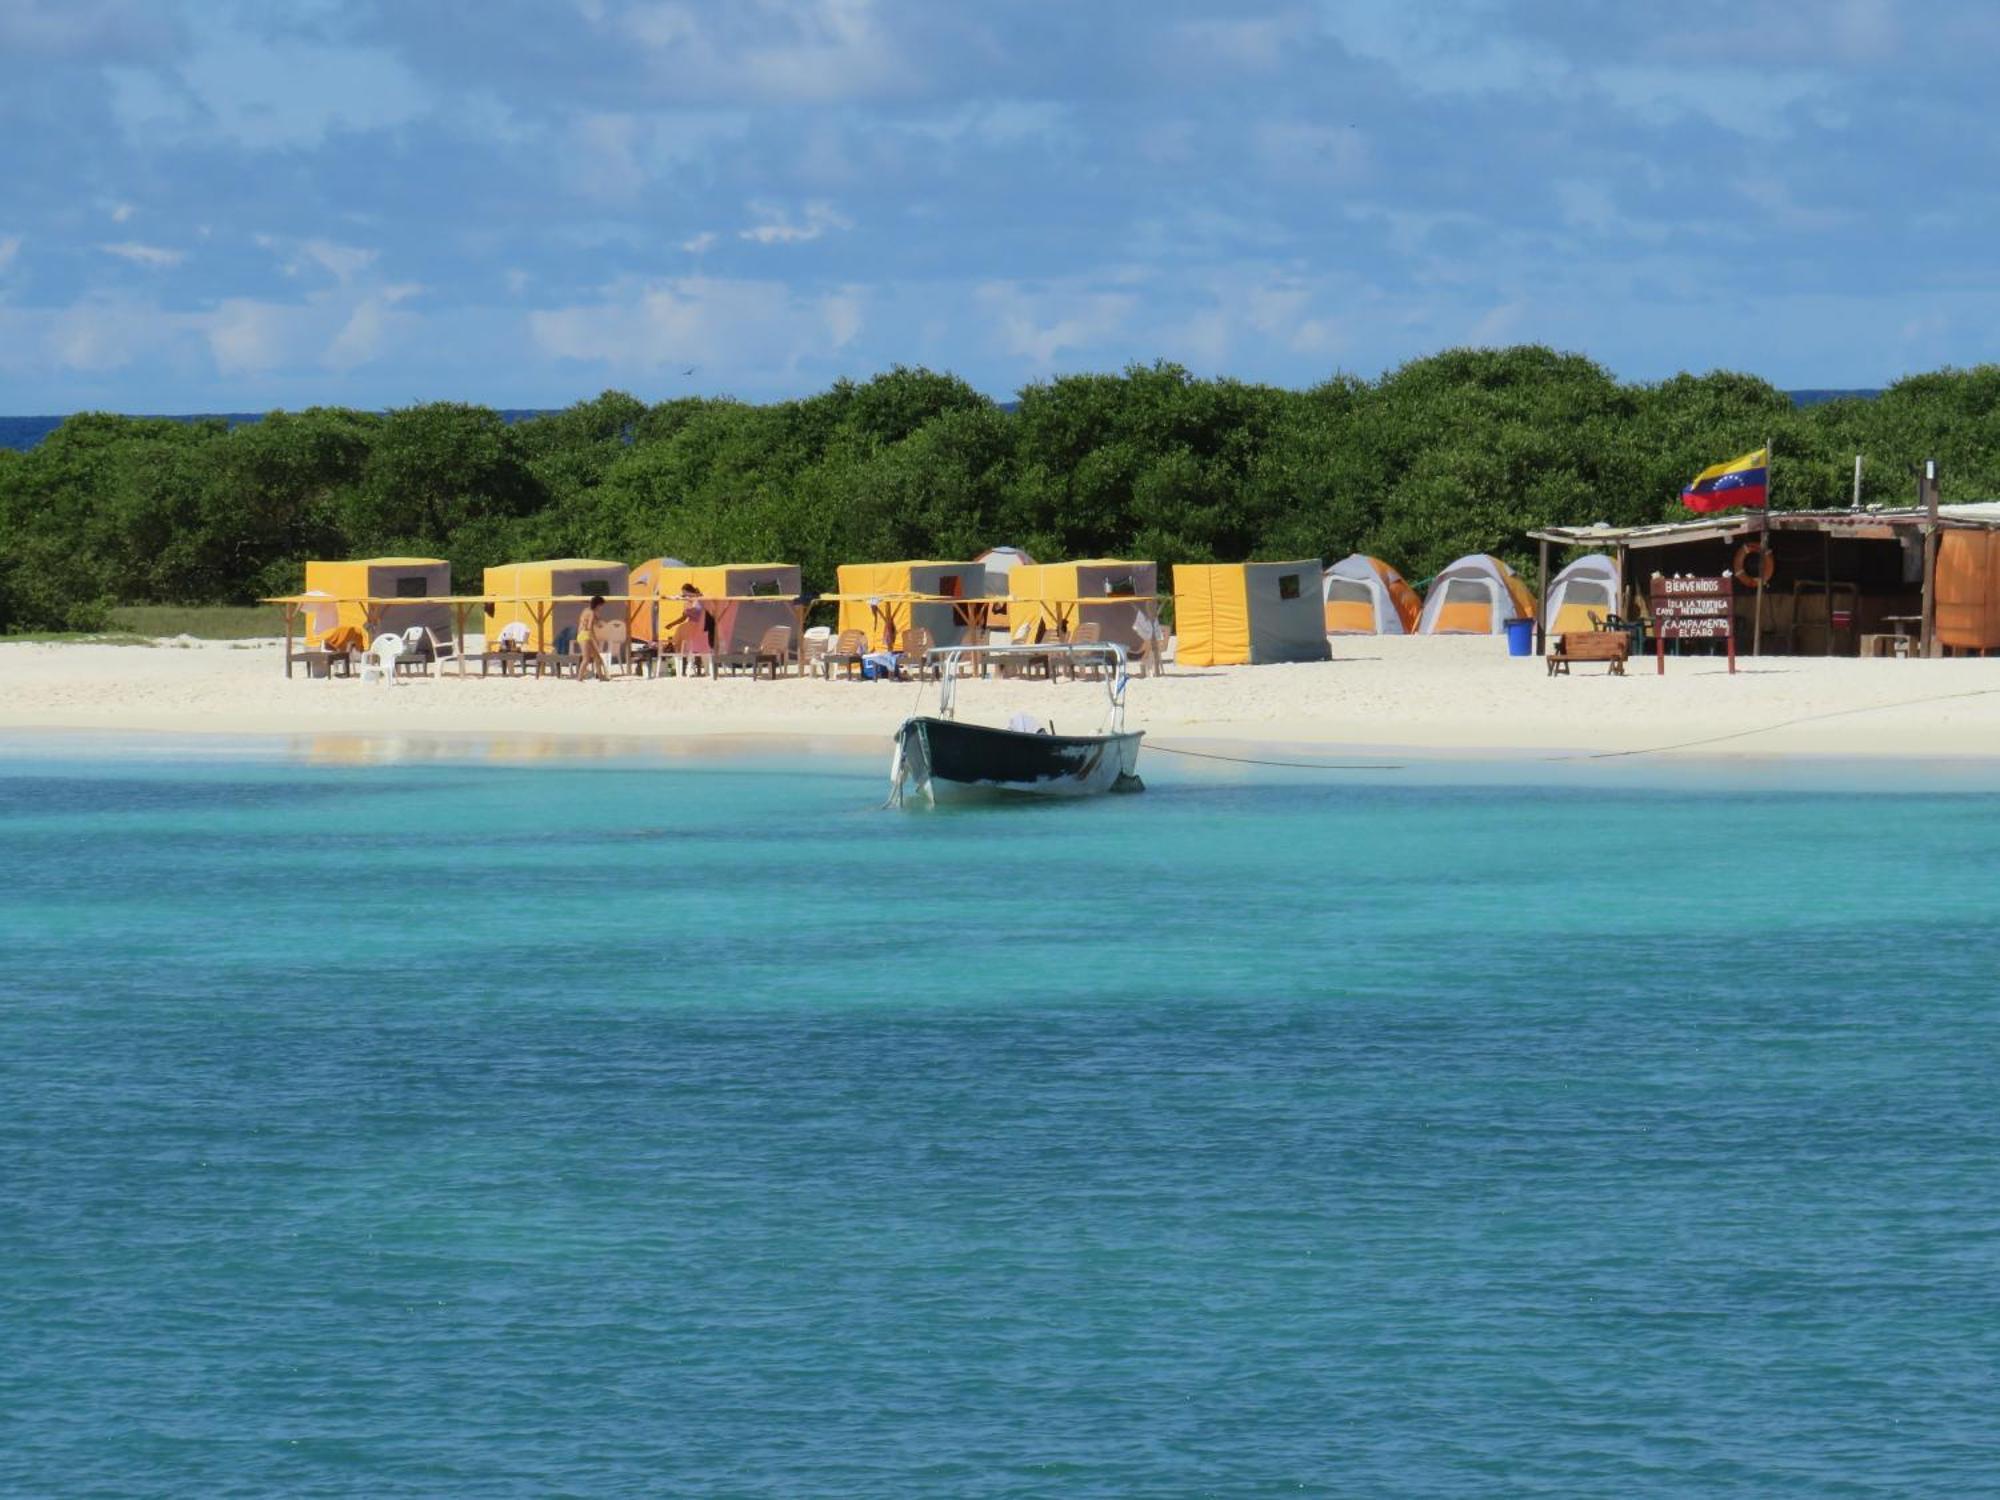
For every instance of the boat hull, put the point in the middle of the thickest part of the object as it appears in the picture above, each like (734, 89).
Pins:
(945, 760)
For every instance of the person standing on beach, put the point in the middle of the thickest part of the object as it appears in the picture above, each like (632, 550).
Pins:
(592, 654)
(691, 633)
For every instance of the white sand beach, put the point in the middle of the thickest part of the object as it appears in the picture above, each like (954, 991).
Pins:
(1448, 695)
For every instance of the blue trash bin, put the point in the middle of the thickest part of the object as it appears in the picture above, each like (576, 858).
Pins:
(1520, 637)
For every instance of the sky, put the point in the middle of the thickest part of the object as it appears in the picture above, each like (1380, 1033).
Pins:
(210, 205)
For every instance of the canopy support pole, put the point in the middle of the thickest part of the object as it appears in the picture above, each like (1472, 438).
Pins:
(1542, 605)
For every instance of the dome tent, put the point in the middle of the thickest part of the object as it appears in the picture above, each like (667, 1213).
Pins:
(1477, 595)
(1365, 596)
(1588, 586)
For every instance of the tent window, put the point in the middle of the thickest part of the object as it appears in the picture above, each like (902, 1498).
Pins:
(1349, 591)
(766, 590)
(594, 586)
(1582, 592)
(412, 588)
(1288, 585)
(1120, 588)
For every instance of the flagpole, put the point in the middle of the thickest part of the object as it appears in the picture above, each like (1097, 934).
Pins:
(1763, 556)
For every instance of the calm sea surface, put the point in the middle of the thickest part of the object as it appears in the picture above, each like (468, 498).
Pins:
(601, 1127)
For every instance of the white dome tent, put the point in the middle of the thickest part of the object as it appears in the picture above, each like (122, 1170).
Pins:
(1588, 586)
(1476, 595)
(1365, 596)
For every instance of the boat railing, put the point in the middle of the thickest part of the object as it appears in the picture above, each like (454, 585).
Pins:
(948, 660)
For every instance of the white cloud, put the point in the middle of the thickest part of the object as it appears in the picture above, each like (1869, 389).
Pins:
(248, 337)
(1258, 44)
(152, 257)
(10, 246)
(701, 243)
(266, 95)
(731, 327)
(120, 212)
(361, 337)
(1774, 199)
(1036, 323)
(344, 263)
(787, 51)
(778, 227)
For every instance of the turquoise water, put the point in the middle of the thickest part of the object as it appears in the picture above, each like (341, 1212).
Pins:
(642, 1128)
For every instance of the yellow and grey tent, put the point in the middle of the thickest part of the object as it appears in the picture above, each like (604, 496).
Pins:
(1229, 614)
(949, 625)
(1477, 595)
(737, 624)
(369, 578)
(1116, 596)
(521, 592)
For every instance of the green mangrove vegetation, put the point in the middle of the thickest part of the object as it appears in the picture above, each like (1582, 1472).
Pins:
(1459, 452)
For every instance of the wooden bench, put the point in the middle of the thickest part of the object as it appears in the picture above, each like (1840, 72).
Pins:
(1611, 647)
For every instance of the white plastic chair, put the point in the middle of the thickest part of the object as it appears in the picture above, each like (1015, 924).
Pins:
(380, 662)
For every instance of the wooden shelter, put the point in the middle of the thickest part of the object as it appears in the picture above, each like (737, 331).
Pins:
(1820, 582)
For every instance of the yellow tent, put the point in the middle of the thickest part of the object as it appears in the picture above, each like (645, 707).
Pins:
(522, 591)
(949, 625)
(736, 626)
(1230, 614)
(1047, 594)
(379, 578)
(644, 589)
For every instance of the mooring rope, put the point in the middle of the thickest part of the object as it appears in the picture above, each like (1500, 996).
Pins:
(1713, 739)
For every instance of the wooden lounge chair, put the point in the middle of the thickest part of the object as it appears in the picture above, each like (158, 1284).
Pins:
(1087, 633)
(847, 652)
(773, 648)
(614, 643)
(914, 653)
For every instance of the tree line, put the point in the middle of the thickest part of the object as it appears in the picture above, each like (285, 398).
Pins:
(1463, 451)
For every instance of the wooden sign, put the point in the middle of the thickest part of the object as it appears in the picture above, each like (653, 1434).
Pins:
(1694, 608)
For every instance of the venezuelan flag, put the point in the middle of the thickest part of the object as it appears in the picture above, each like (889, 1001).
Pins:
(1741, 481)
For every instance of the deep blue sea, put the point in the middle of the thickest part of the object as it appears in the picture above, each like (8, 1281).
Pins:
(499, 1127)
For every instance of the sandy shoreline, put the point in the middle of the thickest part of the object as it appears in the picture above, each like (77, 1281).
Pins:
(1445, 696)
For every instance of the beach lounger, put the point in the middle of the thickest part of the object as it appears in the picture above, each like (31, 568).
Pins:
(915, 648)
(773, 650)
(847, 652)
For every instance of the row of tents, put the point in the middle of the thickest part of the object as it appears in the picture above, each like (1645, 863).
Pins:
(1476, 595)
(1224, 613)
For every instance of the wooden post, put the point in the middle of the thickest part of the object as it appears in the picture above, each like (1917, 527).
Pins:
(1927, 496)
(1764, 552)
(1757, 612)
(1542, 605)
(1826, 578)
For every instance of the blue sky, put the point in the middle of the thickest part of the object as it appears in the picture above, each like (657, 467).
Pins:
(216, 205)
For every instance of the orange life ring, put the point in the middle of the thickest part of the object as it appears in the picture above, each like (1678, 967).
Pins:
(1760, 555)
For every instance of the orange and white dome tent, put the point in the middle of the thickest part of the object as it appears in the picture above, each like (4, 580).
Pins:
(1365, 596)
(1477, 595)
